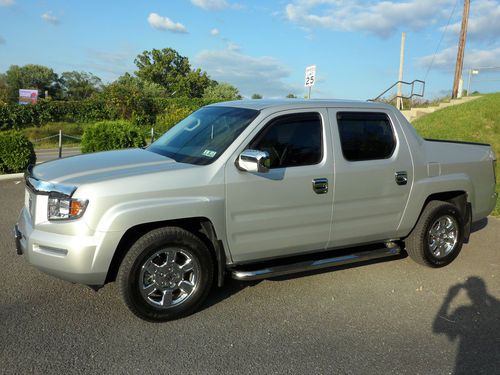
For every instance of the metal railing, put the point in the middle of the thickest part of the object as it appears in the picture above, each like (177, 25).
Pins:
(420, 94)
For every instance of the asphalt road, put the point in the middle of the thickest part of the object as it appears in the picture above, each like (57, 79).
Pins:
(392, 317)
(53, 153)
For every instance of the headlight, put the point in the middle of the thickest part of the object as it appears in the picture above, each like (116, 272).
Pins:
(63, 208)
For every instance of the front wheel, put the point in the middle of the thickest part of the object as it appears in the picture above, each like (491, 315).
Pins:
(437, 238)
(166, 274)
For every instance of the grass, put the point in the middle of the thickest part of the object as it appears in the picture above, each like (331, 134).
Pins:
(476, 121)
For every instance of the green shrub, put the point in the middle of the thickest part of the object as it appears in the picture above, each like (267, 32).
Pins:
(111, 135)
(141, 110)
(171, 116)
(15, 116)
(16, 152)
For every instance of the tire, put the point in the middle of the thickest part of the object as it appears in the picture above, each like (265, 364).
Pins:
(437, 238)
(166, 274)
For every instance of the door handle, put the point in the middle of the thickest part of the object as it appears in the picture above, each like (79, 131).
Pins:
(320, 185)
(401, 178)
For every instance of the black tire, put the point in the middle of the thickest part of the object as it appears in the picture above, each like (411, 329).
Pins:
(178, 243)
(418, 242)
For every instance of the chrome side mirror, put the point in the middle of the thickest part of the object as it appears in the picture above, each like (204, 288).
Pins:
(253, 161)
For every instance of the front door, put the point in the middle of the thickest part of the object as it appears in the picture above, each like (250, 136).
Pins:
(279, 213)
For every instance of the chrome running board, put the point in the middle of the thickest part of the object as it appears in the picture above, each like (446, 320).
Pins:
(310, 265)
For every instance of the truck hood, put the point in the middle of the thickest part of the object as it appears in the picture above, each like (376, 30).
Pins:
(101, 166)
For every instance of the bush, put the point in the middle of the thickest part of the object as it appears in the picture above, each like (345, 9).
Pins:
(16, 152)
(111, 135)
(140, 109)
(171, 116)
(15, 116)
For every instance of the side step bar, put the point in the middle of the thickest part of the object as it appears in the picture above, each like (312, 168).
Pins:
(309, 265)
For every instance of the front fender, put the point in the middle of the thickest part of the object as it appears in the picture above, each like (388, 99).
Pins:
(131, 213)
(115, 222)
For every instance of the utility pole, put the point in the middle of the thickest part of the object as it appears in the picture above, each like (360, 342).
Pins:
(461, 49)
(399, 101)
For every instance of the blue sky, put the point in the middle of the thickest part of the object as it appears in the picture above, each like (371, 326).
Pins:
(259, 46)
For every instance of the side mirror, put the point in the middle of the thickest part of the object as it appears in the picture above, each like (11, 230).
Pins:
(253, 161)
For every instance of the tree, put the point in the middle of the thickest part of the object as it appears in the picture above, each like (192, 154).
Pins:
(195, 84)
(222, 91)
(3, 89)
(173, 72)
(291, 96)
(31, 77)
(256, 96)
(80, 85)
(133, 98)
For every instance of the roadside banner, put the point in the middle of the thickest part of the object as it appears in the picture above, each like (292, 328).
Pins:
(27, 96)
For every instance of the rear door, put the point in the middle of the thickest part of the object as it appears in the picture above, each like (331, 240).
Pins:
(373, 175)
(279, 213)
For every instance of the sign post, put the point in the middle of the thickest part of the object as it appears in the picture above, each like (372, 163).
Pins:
(472, 72)
(310, 78)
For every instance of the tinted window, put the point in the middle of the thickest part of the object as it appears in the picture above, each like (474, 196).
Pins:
(365, 135)
(291, 140)
(204, 135)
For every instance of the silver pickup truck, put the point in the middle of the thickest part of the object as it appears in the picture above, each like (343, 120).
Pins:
(253, 189)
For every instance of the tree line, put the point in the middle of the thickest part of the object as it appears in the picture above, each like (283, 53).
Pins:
(160, 73)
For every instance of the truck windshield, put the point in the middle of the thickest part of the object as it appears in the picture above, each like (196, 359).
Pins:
(204, 135)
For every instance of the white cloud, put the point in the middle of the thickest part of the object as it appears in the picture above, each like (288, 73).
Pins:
(232, 46)
(7, 3)
(475, 58)
(483, 21)
(264, 75)
(380, 18)
(164, 23)
(214, 32)
(210, 4)
(2, 40)
(50, 18)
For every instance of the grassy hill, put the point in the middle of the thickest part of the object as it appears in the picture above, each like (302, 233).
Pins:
(476, 121)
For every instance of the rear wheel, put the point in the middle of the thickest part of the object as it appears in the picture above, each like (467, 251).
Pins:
(166, 274)
(437, 238)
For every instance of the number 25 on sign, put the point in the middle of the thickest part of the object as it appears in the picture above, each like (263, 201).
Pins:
(310, 75)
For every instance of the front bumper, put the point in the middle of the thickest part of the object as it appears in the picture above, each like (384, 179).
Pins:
(82, 259)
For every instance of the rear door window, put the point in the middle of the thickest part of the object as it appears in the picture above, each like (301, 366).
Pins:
(365, 135)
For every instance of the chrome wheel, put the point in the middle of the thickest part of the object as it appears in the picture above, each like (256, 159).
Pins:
(443, 236)
(169, 277)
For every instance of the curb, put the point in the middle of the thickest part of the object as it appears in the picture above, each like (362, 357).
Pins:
(11, 176)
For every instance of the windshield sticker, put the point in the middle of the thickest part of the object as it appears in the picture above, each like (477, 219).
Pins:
(209, 153)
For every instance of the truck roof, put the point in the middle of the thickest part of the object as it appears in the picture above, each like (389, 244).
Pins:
(260, 104)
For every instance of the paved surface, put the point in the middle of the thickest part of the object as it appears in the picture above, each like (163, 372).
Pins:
(382, 318)
(53, 153)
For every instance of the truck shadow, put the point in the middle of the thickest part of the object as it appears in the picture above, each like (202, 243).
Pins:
(232, 287)
(476, 326)
(478, 225)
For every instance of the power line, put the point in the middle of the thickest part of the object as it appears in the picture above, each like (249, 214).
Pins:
(441, 39)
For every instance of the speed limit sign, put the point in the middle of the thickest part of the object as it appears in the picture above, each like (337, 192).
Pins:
(310, 75)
